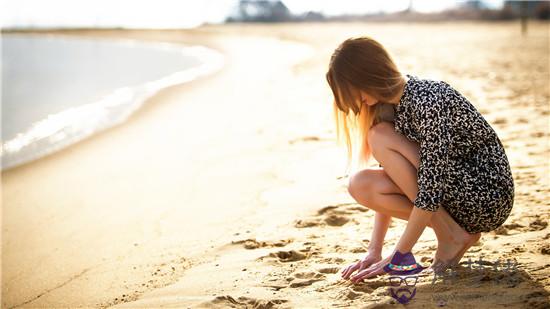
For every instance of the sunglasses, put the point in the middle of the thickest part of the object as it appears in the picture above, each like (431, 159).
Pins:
(409, 281)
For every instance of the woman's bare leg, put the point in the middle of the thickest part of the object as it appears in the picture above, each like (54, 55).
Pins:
(381, 223)
(391, 190)
(380, 193)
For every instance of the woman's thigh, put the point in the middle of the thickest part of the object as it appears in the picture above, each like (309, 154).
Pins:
(383, 135)
(373, 180)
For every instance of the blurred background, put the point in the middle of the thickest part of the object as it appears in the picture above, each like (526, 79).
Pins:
(186, 13)
(110, 78)
(221, 132)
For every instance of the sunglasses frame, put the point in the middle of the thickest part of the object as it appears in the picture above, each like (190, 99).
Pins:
(403, 279)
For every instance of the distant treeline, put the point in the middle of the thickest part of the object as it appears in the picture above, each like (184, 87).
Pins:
(276, 11)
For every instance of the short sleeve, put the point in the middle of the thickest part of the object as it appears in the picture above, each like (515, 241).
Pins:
(434, 128)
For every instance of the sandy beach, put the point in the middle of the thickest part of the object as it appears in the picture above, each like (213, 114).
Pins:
(230, 190)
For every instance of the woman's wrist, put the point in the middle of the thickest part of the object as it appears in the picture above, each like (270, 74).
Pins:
(374, 249)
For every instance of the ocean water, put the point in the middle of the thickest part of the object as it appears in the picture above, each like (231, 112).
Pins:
(59, 90)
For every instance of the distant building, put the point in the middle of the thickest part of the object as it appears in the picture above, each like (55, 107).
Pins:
(260, 11)
(313, 16)
(473, 5)
(532, 9)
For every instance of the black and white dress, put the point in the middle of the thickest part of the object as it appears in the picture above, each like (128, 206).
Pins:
(463, 165)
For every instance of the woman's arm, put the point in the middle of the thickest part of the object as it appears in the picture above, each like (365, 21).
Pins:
(381, 224)
(418, 220)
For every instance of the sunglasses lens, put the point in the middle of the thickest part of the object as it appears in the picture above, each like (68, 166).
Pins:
(411, 281)
(395, 281)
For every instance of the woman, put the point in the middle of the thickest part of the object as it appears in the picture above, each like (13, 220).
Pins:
(442, 164)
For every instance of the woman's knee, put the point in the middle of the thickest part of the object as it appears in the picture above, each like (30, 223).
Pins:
(364, 184)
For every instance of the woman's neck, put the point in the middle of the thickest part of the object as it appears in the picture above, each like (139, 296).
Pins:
(397, 98)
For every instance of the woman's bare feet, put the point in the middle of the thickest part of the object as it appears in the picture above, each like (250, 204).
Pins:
(473, 239)
(450, 251)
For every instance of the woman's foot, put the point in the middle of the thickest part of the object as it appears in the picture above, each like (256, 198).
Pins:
(473, 239)
(450, 251)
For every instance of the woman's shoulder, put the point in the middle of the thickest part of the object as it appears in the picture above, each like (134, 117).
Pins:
(436, 96)
(428, 91)
(429, 86)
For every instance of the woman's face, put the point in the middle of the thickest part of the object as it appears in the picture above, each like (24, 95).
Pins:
(367, 99)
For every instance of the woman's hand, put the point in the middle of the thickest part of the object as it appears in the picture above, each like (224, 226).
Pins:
(371, 258)
(374, 270)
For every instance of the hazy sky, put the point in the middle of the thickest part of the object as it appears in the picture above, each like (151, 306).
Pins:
(332, 7)
(178, 13)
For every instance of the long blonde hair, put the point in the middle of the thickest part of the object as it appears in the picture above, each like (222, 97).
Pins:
(360, 64)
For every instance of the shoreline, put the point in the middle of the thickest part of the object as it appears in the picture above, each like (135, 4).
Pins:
(118, 104)
(90, 160)
(242, 202)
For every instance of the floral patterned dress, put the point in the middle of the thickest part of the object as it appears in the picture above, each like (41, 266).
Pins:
(463, 164)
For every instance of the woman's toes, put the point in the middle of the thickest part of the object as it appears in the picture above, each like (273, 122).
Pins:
(470, 242)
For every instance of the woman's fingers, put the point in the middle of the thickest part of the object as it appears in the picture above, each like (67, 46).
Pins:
(366, 268)
(367, 273)
(349, 270)
(361, 266)
(357, 266)
(352, 268)
(361, 274)
(373, 270)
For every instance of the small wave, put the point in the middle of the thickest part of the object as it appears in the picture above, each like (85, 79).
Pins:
(75, 124)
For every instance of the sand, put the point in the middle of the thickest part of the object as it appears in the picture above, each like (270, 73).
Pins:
(230, 191)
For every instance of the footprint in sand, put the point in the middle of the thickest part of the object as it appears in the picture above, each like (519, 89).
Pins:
(545, 249)
(252, 243)
(538, 299)
(291, 255)
(522, 120)
(160, 275)
(227, 301)
(369, 285)
(514, 226)
(307, 223)
(538, 225)
(301, 279)
(518, 249)
(369, 288)
(505, 229)
(501, 230)
(537, 134)
(358, 250)
(332, 260)
(349, 294)
(329, 270)
(308, 275)
(333, 215)
(500, 120)
(346, 249)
